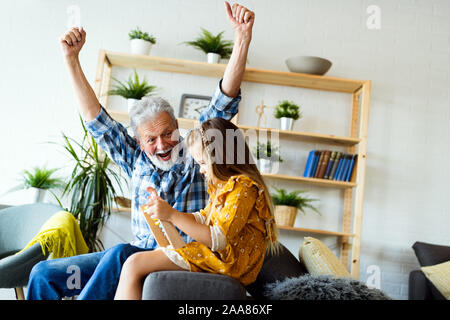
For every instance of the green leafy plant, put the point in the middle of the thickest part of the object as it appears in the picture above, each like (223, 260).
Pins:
(133, 88)
(267, 151)
(90, 188)
(138, 34)
(287, 109)
(293, 199)
(41, 178)
(209, 43)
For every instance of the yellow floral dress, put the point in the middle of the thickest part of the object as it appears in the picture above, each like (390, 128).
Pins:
(239, 217)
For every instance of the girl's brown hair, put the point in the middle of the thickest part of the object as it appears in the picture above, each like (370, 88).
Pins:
(231, 157)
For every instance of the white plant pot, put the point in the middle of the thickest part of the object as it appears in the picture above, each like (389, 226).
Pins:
(131, 103)
(265, 165)
(286, 123)
(139, 46)
(36, 195)
(213, 57)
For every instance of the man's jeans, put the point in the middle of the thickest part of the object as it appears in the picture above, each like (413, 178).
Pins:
(92, 276)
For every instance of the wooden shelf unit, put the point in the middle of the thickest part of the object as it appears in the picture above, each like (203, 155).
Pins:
(356, 142)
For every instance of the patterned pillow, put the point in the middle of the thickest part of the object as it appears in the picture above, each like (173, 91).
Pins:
(439, 275)
(319, 260)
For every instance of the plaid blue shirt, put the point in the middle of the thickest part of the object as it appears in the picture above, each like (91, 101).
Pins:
(183, 187)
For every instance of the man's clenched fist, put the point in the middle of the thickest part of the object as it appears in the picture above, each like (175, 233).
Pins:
(241, 19)
(72, 41)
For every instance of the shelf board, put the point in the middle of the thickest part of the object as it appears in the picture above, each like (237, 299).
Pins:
(308, 136)
(304, 136)
(324, 232)
(281, 78)
(313, 181)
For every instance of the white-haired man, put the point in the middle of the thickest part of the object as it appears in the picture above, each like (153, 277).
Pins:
(148, 158)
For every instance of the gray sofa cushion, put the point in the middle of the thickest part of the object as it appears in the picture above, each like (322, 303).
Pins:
(185, 285)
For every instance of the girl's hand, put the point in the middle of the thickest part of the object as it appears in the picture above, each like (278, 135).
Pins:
(158, 208)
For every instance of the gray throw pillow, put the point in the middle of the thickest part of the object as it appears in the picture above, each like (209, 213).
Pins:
(308, 287)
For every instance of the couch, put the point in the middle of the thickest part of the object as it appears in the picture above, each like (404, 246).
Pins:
(184, 285)
(420, 288)
(18, 225)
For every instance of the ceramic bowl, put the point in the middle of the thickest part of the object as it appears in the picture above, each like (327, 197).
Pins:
(308, 64)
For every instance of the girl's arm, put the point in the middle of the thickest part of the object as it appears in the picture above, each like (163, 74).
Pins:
(160, 209)
(187, 223)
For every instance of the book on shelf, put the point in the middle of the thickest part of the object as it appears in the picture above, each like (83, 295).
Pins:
(331, 165)
(352, 165)
(335, 165)
(323, 164)
(339, 167)
(309, 164)
(345, 166)
(315, 162)
(319, 164)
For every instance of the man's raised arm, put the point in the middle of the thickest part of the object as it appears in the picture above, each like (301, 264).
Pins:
(71, 43)
(241, 20)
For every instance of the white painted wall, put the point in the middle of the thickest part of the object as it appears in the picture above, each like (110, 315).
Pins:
(408, 61)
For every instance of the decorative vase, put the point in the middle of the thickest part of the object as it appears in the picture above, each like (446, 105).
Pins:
(265, 165)
(36, 195)
(131, 103)
(213, 57)
(139, 46)
(285, 215)
(286, 123)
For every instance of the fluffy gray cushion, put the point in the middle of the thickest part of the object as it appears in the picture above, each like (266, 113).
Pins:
(308, 287)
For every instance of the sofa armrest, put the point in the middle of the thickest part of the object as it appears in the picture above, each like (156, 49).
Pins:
(418, 286)
(185, 285)
(15, 268)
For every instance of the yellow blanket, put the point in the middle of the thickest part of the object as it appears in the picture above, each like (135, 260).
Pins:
(61, 236)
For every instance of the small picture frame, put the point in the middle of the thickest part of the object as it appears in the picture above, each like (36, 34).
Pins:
(192, 106)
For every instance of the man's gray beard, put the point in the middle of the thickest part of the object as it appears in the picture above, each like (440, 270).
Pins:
(165, 165)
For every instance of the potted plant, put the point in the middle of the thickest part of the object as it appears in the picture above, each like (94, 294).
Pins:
(38, 181)
(141, 42)
(287, 112)
(266, 155)
(288, 204)
(133, 90)
(90, 188)
(214, 46)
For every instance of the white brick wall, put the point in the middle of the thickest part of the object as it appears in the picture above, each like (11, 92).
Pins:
(408, 61)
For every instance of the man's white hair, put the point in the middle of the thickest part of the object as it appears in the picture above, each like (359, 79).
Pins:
(148, 108)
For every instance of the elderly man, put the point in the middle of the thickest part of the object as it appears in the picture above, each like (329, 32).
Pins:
(149, 159)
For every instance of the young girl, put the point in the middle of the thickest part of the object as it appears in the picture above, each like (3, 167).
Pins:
(234, 230)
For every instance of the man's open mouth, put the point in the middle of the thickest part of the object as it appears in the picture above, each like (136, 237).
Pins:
(164, 155)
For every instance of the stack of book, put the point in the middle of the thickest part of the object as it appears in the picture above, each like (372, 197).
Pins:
(331, 165)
